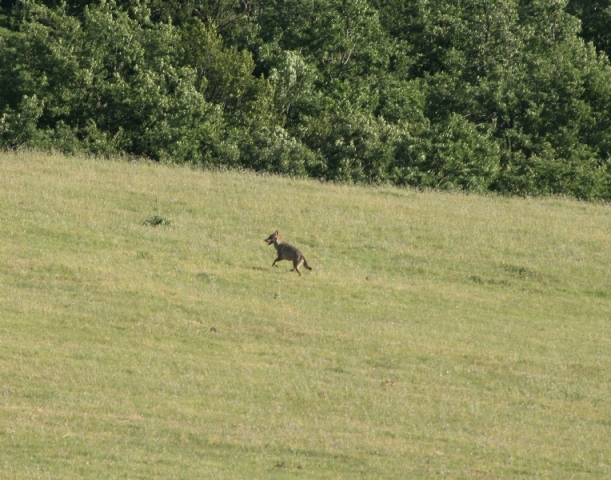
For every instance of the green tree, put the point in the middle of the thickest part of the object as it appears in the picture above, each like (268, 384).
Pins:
(518, 72)
(595, 16)
(453, 155)
(112, 80)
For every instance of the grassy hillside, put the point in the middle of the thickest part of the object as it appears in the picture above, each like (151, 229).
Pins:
(438, 336)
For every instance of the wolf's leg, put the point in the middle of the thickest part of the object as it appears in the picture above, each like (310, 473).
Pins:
(296, 265)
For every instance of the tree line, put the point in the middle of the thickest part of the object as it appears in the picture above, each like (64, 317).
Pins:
(508, 96)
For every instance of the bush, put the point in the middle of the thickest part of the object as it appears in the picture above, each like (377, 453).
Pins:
(453, 155)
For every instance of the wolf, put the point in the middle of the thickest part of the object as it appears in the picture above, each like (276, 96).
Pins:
(287, 252)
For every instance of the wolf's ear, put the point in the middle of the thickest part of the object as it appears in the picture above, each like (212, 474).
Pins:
(276, 232)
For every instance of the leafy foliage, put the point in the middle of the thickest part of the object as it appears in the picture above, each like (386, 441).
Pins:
(481, 96)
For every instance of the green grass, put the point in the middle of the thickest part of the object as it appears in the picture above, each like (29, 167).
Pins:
(438, 336)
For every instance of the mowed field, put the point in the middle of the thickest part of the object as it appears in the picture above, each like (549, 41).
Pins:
(438, 336)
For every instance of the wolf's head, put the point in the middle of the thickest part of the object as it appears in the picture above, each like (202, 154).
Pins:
(273, 238)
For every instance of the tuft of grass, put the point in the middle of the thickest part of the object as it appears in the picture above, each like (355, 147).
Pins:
(156, 220)
(438, 336)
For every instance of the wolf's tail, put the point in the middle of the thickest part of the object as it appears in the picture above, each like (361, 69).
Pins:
(305, 263)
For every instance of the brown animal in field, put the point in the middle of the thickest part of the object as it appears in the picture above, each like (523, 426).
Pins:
(287, 252)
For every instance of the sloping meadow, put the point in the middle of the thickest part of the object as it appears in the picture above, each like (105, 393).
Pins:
(145, 334)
